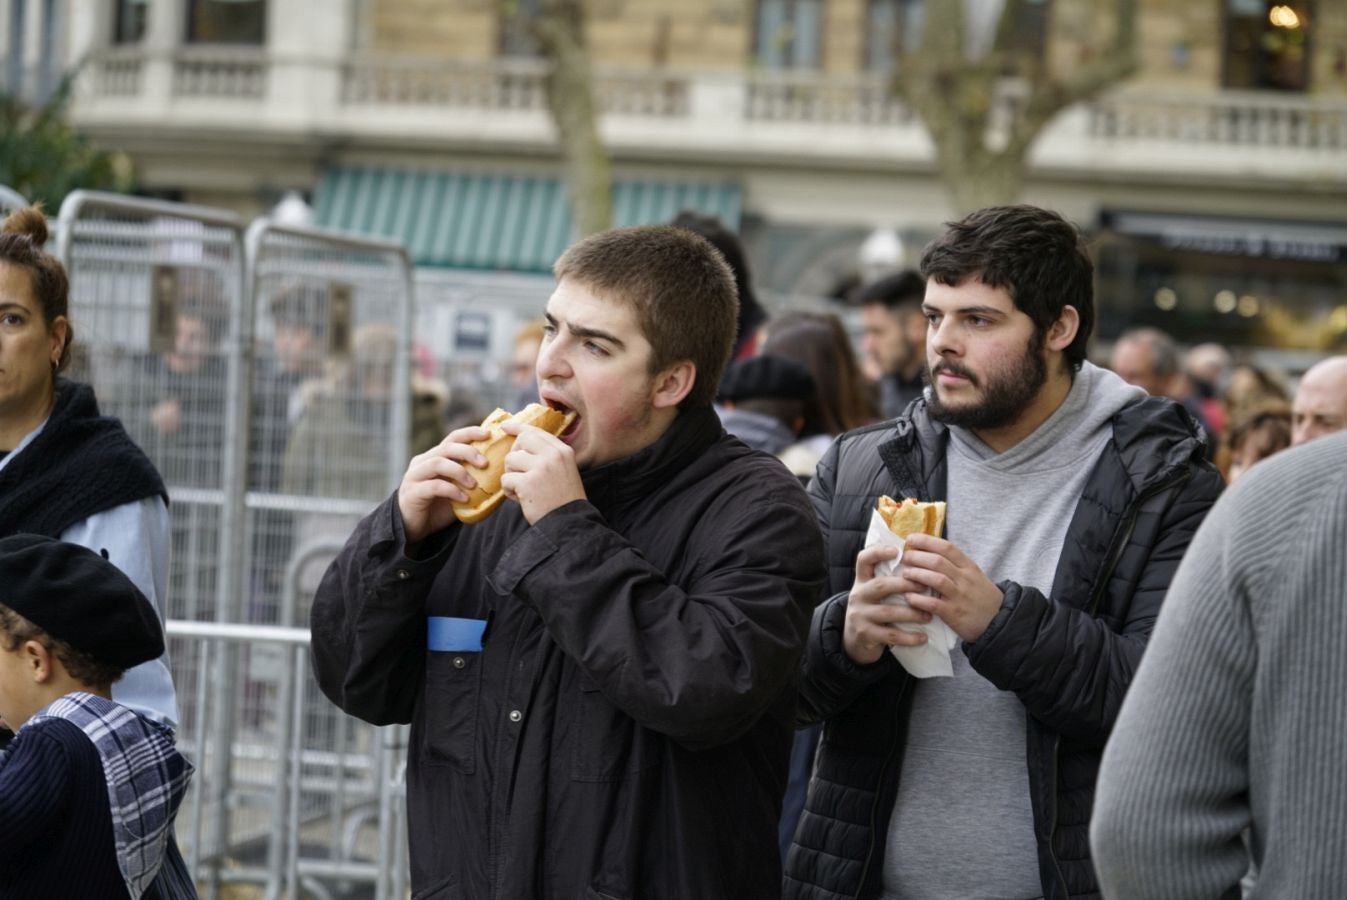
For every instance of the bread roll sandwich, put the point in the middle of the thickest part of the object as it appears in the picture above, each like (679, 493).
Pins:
(912, 516)
(487, 495)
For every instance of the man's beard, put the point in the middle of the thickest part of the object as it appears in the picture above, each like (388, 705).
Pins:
(1005, 395)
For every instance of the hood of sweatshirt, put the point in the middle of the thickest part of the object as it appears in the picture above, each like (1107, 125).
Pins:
(1071, 433)
(146, 776)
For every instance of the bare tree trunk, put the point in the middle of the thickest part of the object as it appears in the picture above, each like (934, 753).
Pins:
(559, 28)
(984, 115)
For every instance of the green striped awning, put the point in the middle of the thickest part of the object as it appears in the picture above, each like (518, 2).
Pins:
(473, 220)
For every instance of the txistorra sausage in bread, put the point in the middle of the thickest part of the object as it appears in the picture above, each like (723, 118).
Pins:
(912, 516)
(487, 495)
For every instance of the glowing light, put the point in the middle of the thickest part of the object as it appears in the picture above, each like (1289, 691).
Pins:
(1338, 320)
(1283, 17)
(1225, 302)
(1166, 299)
(1248, 306)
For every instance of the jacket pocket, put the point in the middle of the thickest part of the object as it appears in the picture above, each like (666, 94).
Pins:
(442, 891)
(453, 683)
(609, 744)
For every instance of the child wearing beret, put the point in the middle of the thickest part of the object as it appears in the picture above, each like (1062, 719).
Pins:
(89, 789)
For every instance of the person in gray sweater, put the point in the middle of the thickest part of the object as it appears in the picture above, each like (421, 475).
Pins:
(1230, 747)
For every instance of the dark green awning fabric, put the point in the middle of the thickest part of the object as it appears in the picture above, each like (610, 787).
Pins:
(473, 220)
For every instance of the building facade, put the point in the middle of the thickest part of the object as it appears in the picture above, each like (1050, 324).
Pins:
(1219, 171)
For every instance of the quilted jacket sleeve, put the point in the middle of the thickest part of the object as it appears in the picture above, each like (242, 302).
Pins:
(829, 680)
(1070, 668)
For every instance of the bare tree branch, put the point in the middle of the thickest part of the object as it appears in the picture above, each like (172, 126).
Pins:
(559, 29)
(982, 139)
(1118, 63)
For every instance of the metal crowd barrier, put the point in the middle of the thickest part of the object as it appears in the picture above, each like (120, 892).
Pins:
(11, 200)
(328, 388)
(156, 300)
(466, 323)
(267, 376)
(355, 845)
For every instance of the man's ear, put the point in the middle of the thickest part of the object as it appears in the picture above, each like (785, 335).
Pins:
(37, 661)
(1062, 332)
(673, 384)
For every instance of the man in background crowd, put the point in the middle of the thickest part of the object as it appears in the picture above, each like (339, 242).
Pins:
(1320, 405)
(1208, 367)
(1150, 359)
(523, 358)
(893, 339)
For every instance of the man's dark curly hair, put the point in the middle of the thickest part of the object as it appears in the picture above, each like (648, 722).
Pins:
(1034, 254)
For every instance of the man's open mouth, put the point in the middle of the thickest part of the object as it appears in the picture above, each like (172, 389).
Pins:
(562, 407)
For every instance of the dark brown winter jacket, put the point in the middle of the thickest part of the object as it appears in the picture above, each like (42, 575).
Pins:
(623, 731)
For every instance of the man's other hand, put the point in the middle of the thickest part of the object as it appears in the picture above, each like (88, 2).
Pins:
(872, 624)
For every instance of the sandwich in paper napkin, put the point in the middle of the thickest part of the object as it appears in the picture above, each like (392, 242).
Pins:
(890, 524)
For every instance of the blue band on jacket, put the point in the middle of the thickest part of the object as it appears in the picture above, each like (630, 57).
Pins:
(448, 633)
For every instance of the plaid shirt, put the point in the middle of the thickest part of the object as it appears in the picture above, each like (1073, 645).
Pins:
(147, 778)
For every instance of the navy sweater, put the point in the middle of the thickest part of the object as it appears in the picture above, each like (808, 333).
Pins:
(55, 820)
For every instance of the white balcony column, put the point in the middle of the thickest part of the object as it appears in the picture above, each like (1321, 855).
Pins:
(90, 28)
(32, 49)
(307, 42)
(1066, 140)
(165, 33)
(717, 102)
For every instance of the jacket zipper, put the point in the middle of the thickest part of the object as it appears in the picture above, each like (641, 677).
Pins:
(1116, 556)
(874, 808)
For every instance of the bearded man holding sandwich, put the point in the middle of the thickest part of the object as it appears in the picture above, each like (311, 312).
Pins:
(1071, 497)
(600, 671)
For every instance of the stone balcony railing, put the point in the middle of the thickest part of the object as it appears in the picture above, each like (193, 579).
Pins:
(742, 116)
(507, 85)
(1243, 119)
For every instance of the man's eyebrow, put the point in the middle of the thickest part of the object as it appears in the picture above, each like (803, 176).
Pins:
(984, 311)
(581, 331)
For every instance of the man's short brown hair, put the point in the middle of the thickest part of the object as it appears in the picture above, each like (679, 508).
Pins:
(680, 287)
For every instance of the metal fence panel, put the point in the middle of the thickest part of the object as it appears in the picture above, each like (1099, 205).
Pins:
(466, 323)
(330, 424)
(331, 315)
(10, 200)
(350, 845)
(155, 291)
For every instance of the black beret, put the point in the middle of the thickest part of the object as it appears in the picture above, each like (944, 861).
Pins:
(79, 597)
(766, 376)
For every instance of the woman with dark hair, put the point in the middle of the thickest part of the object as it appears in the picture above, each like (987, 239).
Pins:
(1249, 388)
(65, 471)
(1256, 433)
(818, 341)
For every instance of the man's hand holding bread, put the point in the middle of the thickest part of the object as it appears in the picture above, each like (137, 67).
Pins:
(965, 599)
(469, 473)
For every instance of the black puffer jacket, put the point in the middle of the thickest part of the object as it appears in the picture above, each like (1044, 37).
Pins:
(1068, 659)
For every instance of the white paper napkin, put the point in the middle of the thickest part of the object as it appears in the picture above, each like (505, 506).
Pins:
(928, 660)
